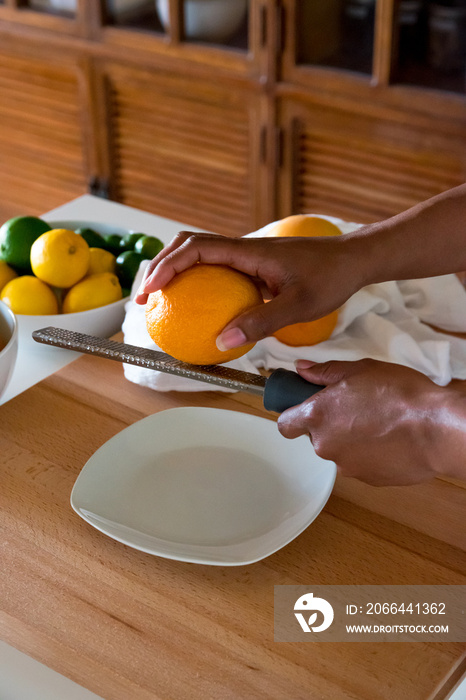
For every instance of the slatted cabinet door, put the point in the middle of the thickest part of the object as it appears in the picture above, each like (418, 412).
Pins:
(41, 143)
(185, 149)
(358, 164)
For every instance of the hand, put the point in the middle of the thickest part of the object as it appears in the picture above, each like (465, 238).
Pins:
(381, 423)
(305, 278)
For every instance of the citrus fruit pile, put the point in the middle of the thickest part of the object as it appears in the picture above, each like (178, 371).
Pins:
(51, 271)
(186, 316)
(310, 332)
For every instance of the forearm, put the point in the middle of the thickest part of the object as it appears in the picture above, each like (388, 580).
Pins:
(424, 241)
(449, 429)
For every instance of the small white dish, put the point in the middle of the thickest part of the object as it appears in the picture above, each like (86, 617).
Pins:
(207, 20)
(8, 344)
(203, 485)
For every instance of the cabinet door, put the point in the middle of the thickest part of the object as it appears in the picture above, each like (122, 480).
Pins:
(186, 149)
(41, 150)
(362, 163)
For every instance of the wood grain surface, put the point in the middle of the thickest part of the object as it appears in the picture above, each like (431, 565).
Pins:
(129, 625)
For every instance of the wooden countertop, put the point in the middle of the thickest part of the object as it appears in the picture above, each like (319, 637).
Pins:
(130, 626)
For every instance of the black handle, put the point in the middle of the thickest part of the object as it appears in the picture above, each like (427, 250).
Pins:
(285, 389)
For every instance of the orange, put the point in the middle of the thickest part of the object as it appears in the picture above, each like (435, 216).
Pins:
(303, 225)
(310, 332)
(186, 316)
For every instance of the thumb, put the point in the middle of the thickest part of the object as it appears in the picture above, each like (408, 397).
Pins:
(327, 373)
(257, 323)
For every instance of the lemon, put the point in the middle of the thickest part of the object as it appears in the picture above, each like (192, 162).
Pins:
(91, 292)
(16, 238)
(6, 274)
(29, 295)
(60, 257)
(100, 260)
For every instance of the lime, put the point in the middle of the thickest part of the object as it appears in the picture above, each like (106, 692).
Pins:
(92, 238)
(16, 238)
(112, 243)
(127, 265)
(148, 246)
(128, 241)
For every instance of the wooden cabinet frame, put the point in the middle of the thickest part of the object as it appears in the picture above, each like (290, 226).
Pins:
(285, 97)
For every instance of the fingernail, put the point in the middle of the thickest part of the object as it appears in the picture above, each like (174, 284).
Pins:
(232, 338)
(304, 364)
(142, 287)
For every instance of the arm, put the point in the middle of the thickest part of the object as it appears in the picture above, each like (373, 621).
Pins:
(307, 278)
(382, 423)
(427, 240)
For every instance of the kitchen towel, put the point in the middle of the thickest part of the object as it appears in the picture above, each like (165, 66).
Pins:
(390, 321)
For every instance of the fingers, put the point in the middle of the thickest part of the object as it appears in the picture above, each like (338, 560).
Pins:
(258, 323)
(297, 420)
(187, 250)
(168, 271)
(314, 412)
(328, 373)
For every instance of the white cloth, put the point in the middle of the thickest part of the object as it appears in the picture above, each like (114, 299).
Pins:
(385, 321)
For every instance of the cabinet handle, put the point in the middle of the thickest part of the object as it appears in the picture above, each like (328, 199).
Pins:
(281, 27)
(99, 187)
(263, 26)
(279, 146)
(263, 145)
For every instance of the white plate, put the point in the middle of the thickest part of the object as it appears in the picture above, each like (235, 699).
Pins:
(203, 485)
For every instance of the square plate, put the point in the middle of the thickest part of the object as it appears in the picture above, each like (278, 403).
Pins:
(203, 485)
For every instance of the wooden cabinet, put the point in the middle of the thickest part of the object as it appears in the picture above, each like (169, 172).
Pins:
(186, 150)
(42, 154)
(372, 121)
(353, 108)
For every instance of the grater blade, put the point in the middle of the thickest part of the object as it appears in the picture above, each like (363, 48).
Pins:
(226, 377)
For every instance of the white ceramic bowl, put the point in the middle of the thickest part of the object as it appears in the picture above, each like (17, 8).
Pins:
(103, 321)
(9, 344)
(207, 20)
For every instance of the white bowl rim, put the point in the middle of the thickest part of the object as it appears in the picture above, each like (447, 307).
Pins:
(14, 333)
(76, 313)
(88, 223)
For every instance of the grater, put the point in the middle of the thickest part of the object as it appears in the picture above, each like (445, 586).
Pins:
(281, 390)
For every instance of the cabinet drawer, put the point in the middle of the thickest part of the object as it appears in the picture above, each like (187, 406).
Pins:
(41, 149)
(183, 150)
(362, 166)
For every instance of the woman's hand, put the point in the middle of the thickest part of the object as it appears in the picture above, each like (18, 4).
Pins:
(381, 423)
(304, 278)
